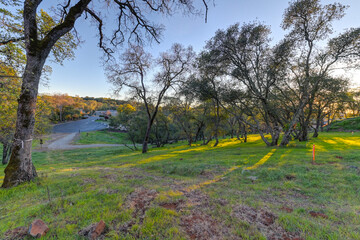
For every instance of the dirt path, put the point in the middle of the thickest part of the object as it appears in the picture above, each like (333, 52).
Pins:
(64, 142)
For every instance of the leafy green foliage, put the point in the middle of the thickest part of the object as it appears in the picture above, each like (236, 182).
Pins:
(9, 91)
(346, 124)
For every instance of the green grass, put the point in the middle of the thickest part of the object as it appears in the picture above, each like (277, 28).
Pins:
(102, 137)
(88, 185)
(102, 121)
(346, 124)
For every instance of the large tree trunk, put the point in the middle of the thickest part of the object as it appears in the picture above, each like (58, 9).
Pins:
(198, 132)
(244, 133)
(20, 168)
(216, 139)
(305, 125)
(318, 122)
(264, 138)
(304, 129)
(206, 141)
(330, 120)
(316, 131)
(146, 138)
(239, 131)
(190, 139)
(151, 120)
(287, 135)
(275, 136)
(217, 123)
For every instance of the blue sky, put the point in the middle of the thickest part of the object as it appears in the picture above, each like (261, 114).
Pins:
(84, 76)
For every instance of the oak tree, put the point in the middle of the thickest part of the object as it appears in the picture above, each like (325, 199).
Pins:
(133, 23)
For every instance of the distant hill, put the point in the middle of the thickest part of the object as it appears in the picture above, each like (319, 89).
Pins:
(348, 124)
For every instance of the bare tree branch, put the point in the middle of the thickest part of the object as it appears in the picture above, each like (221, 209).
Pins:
(206, 10)
(12, 40)
(108, 51)
(68, 24)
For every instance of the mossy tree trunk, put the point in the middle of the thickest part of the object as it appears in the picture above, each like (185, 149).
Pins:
(20, 168)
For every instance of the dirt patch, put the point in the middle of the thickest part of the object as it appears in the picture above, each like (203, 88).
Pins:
(16, 233)
(88, 181)
(198, 224)
(133, 177)
(287, 209)
(111, 177)
(318, 214)
(264, 220)
(196, 199)
(207, 174)
(139, 201)
(202, 226)
(126, 226)
(291, 198)
(172, 205)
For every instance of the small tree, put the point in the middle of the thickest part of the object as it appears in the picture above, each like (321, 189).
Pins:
(133, 73)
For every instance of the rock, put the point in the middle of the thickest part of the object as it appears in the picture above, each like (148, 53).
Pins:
(94, 230)
(38, 228)
(318, 214)
(99, 229)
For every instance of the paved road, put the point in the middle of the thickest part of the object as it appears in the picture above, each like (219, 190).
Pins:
(84, 125)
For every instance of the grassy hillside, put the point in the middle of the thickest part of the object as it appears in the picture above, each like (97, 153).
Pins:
(346, 124)
(234, 191)
(102, 137)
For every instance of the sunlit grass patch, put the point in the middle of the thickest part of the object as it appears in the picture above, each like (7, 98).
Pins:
(262, 160)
